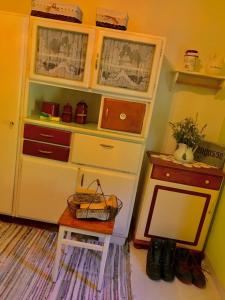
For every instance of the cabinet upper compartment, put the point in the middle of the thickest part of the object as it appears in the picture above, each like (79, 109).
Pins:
(80, 56)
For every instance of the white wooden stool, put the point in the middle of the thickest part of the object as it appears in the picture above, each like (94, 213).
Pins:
(68, 225)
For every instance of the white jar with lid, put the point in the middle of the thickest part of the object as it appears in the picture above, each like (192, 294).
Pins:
(191, 60)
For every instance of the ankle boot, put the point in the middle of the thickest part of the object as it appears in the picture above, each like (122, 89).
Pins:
(154, 258)
(182, 266)
(198, 277)
(168, 260)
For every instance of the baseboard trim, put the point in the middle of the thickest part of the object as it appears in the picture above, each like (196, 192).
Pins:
(216, 281)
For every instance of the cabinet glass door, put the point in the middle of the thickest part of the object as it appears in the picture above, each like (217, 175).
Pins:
(62, 54)
(127, 64)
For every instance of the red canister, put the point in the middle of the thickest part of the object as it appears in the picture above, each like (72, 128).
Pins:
(67, 113)
(50, 108)
(81, 113)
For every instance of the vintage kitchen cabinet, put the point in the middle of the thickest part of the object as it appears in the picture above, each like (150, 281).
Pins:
(14, 32)
(68, 63)
(177, 202)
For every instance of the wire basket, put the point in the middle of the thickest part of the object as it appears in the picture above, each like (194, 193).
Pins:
(94, 206)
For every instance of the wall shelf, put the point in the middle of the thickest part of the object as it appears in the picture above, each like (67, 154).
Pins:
(198, 79)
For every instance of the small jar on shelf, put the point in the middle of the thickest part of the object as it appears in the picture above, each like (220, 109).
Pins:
(67, 113)
(191, 60)
(81, 113)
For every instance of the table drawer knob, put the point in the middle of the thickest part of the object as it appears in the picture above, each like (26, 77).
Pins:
(207, 181)
(167, 174)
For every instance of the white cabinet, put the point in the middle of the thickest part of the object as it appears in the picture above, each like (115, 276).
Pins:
(44, 189)
(74, 62)
(122, 185)
(61, 52)
(13, 33)
(127, 63)
(177, 203)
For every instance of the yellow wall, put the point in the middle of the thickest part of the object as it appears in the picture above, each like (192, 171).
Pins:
(216, 243)
(186, 25)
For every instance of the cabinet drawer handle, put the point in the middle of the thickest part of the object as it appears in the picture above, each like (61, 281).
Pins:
(207, 181)
(167, 174)
(107, 146)
(46, 135)
(45, 152)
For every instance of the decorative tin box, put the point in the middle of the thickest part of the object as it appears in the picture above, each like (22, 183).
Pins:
(54, 10)
(122, 115)
(111, 19)
(211, 153)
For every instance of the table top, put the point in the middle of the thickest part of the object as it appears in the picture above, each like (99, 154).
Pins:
(168, 161)
(105, 227)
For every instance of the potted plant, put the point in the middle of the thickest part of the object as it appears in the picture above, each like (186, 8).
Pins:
(188, 136)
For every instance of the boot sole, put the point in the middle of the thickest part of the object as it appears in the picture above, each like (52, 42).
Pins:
(183, 280)
(152, 277)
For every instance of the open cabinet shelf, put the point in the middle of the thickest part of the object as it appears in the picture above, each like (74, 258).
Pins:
(198, 79)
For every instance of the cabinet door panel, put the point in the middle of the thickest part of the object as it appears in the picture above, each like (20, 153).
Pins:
(122, 185)
(176, 211)
(106, 153)
(190, 208)
(61, 52)
(127, 63)
(45, 187)
(13, 31)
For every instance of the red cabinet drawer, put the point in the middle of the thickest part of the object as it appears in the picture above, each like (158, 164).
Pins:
(45, 134)
(123, 115)
(186, 177)
(46, 150)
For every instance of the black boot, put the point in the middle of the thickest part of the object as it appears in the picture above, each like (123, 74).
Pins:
(154, 257)
(168, 260)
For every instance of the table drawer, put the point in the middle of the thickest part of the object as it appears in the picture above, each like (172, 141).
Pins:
(186, 177)
(106, 153)
(46, 150)
(45, 134)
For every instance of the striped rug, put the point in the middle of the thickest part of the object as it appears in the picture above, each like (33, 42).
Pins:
(26, 261)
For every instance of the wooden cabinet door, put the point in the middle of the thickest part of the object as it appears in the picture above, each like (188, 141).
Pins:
(127, 63)
(13, 33)
(61, 53)
(122, 185)
(122, 115)
(44, 188)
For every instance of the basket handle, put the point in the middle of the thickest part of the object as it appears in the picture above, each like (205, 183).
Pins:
(97, 181)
